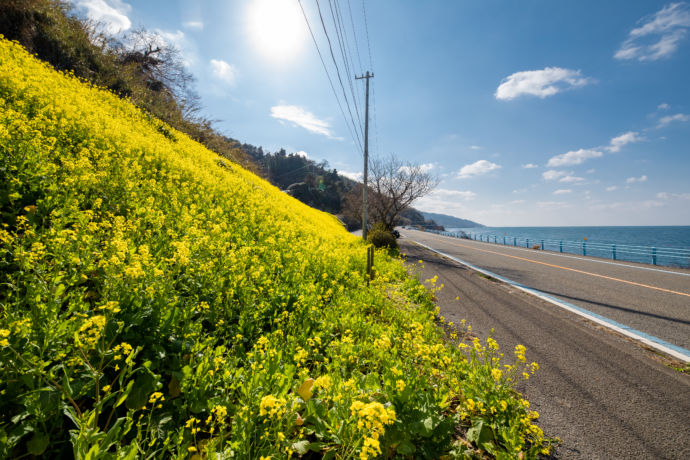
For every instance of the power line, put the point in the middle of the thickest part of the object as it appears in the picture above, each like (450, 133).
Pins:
(337, 69)
(325, 68)
(344, 51)
(354, 34)
(356, 43)
(371, 65)
(347, 42)
(366, 28)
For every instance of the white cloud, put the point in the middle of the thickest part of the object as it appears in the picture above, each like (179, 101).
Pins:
(448, 194)
(303, 154)
(176, 39)
(663, 106)
(446, 201)
(665, 28)
(591, 171)
(664, 121)
(574, 157)
(193, 25)
(672, 196)
(625, 138)
(356, 176)
(540, 83)
(475, 147)
(571, 179)
(300, 117)
(632, 180)
(529, 166)
(477, 169)
(423, 167)
(111, 14)
(552, 204)
(553, 174)
(611, 188)
(562, 191)
(517, 202)
(651, 204)
(223, 71)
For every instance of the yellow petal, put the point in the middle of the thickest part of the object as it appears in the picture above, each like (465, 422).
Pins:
(304, 391)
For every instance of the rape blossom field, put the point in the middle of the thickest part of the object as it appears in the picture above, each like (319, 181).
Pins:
(158, 301)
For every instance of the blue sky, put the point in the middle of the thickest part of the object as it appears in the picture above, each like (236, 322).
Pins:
(530, 112)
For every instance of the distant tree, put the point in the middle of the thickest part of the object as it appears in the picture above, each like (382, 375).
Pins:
(159, 66)
(393, 187)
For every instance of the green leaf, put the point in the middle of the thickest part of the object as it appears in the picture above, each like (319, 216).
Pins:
(406, 448)
(38, 443)
(59, 290)
(474, 432)
(66, 385)
(480, 433)
(137, 397)
(125, 394)
(428, 424)
(316, 446)
(132, 454)
(301, 447)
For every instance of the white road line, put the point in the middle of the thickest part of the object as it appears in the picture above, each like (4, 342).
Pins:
(649, 340)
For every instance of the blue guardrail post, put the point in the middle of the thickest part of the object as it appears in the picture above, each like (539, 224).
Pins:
(527, 242)
(542, 245)
(561, 245)
(514, 241)
(584, 248)
(653, 256)
(613, 249)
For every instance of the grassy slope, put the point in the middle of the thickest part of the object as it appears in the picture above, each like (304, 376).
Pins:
(159, 300)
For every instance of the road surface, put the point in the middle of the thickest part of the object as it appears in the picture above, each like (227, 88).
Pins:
(653, 300)
(600, 393)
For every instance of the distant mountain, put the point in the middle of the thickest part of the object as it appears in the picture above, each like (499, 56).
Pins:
(450, 221)
(413, 217)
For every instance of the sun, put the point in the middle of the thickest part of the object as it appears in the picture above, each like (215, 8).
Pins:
(277, 28)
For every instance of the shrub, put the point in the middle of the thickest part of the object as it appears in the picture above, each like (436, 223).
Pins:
(381, 237)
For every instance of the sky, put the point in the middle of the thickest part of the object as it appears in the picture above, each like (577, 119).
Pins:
(531, 113)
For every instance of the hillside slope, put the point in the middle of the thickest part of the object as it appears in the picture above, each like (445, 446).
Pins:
(450, 221)
(160, 301)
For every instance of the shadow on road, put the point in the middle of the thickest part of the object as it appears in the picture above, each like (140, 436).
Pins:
(614, 307)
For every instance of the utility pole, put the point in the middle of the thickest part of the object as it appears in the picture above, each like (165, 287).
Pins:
(366, 156)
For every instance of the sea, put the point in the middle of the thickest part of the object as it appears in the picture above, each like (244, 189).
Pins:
(662, 245)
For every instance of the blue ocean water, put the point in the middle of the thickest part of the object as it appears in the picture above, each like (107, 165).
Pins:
(635, 244)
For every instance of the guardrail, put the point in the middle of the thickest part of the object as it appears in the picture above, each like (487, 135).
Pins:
(634, 253)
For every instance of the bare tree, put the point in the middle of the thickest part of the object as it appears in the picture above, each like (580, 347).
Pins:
(395, 186)
(161, 67)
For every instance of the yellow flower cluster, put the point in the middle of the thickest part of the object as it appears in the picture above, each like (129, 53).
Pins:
(371, 420)
(4, 333)
(90, 331)
(272, 407)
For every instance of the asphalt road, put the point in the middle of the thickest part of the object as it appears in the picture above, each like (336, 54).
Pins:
(653, 300)
(600, 393)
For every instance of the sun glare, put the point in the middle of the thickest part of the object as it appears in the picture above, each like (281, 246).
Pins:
(277, 28)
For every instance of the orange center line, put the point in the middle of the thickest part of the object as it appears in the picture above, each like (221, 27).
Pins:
(577, 271)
